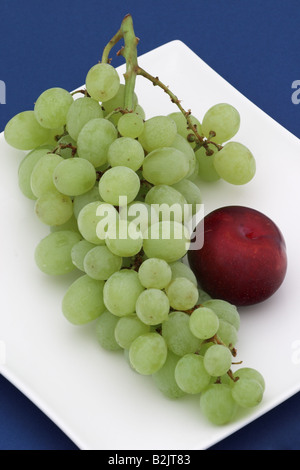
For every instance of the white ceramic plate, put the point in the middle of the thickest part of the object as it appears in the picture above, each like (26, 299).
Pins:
(91, 394)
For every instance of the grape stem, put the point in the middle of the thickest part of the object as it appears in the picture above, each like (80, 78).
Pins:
(129, 52)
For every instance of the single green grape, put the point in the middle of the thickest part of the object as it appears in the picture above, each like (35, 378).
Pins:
(102, 82)
(182, 293)
(53, 208)
(121, 292)
(235, 163)
(152, 306)
(158, 131)
(126, 151)
(83, 300)
(94, 140)
(131, 125)
(148, 353)
(155, 273)
(51, 107)
(53, 253)
(191, 375)
(165, 165)
(100, 263)
(217, 360)
(247, 392)
(24, 132)
(119, 181)
(224, 120)
(74, 176)
(217, 404)
(204, 323)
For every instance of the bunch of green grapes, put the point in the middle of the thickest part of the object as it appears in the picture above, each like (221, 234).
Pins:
(112, 187)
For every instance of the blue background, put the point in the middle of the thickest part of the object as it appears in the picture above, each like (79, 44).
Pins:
(255, 45)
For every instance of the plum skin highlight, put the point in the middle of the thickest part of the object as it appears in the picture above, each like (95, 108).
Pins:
(243, 259)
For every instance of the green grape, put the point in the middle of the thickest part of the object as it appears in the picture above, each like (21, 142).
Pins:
(204, 323)
(167, 201)
(235, 163)
(217, 360)
(159, 131)
(53, 253)
(131, 125)
(23, 132)
(190, 192)
(148, 353)
(105, 331)
(100, 263)
(94, 140)
(152, 306)
(118, 101)
(225, 311)
(71, 224)
(119, 181)
(121, 292)
(250, 373)
(217, 404)
(183, 146)
(227, 333)
(74, 176)
(41, 179)
(80, 112)
(25, 169)
(165, 165)
(182, 125)
(180, 269)
(178, 336)
(128, 328)
(89, 218)
(102, 82)
(155, 273)
(53, 208)
(247, 392)
(182, 293)
(83, 199)
(164, 378)
(51, 107)
(166, 240)
(124, 239)
(224, 120)
(66, 152)
(78, 252)
(206, 168)
(191, 375)
(83, 301)
(126, 151)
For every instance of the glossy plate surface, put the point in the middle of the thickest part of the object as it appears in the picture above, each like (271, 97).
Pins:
(91, 394)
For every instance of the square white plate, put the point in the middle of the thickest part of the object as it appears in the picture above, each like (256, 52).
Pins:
(91, 394)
